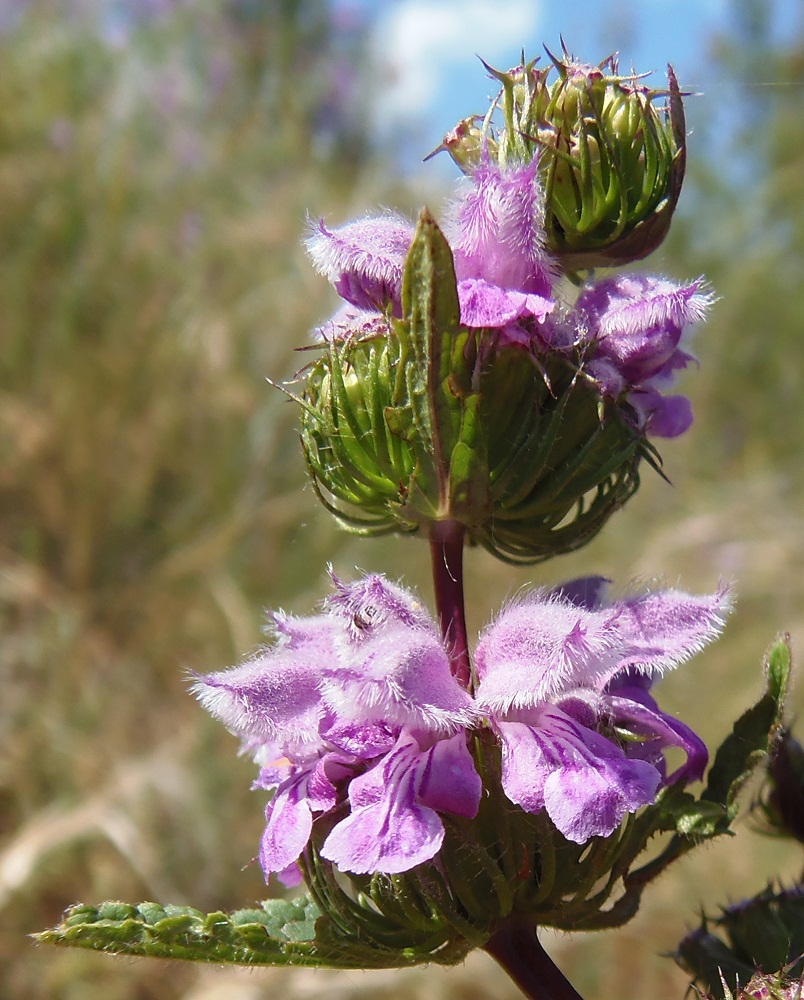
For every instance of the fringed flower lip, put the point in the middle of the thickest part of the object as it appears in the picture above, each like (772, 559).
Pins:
(355, 712)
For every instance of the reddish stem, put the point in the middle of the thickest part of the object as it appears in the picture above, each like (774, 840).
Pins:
(446, 549)
(517, 949)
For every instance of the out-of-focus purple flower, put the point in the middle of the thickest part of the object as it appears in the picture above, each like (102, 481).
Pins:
(564, 679)
(356, 709)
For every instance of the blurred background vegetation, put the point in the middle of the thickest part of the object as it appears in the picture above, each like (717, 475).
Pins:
(155, 174)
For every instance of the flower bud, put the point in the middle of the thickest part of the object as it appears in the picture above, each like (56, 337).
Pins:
(782, 801)
(465, 144)
(761, 987)
(765, 933)
(612, 163)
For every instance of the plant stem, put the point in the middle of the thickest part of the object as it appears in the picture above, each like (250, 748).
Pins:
(446, 550)
(517, 949)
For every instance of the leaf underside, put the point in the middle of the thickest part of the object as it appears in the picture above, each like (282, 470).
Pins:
(278, 932)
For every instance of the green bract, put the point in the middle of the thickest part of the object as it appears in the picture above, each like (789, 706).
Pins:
(435, 422)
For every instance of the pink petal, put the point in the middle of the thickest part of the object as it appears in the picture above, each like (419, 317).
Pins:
(364, 260)
(274, 697)
(487, 305)
(402, 677)
(539, 647)
(387, 830)
(496, 230)
(667, 627)
(449, 781)
(585, 782)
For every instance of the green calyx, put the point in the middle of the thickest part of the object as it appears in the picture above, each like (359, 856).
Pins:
(434, 422)
(612, 162)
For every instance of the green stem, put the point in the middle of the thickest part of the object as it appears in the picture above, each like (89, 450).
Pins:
(517, 949)
(446, 549)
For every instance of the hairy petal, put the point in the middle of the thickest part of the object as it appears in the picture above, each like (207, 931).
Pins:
(372, 602)
(667, 627)
(388, 830)
(274, 697)
(539, 647)
(364, 259)
(637, 320)
(399, 676)
(586, 783)
(316, 633)
(496, 230)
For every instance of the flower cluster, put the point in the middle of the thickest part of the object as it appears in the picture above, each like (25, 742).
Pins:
(628, 329)
(355, 712)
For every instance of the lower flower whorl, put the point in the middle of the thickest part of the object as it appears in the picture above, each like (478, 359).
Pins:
(378, 759)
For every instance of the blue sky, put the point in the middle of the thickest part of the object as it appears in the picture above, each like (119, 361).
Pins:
(426, 49)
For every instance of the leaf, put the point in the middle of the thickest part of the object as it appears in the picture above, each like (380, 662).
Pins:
(753, 733)
(279, 932)
(438, 391)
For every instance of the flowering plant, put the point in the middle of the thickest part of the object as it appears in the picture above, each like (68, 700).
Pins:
(435, 794)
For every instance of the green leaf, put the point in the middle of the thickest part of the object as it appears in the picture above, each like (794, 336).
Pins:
(279, 932)
(439, 389)
(752, 735)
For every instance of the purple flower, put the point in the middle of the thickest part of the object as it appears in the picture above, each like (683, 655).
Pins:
(564, 680)
(356, 710)
(504, 274)
(628, 329)
(634, 325)
(356, 703)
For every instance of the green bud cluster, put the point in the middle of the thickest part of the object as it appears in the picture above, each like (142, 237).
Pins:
(611, 161)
